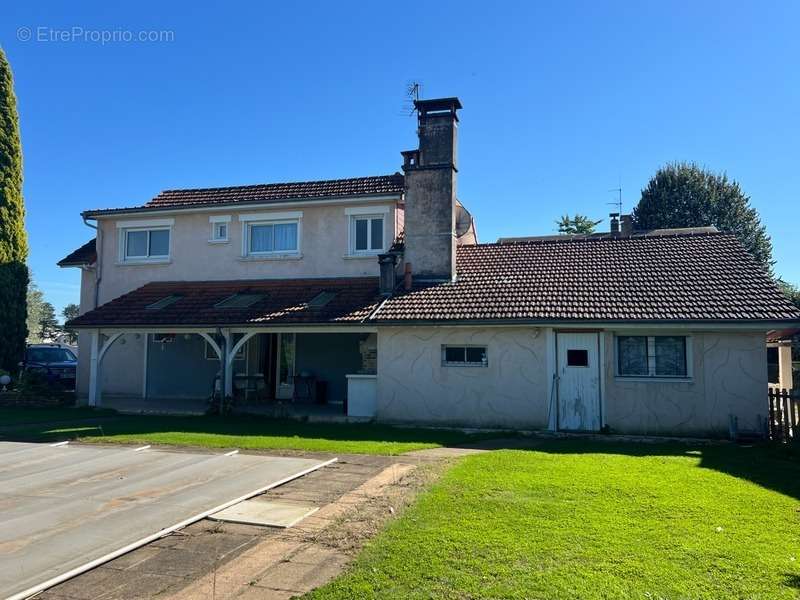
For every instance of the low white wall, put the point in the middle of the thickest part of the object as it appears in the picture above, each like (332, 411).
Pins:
(414, 387)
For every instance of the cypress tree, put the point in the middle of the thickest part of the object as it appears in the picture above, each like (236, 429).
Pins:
(13, 238)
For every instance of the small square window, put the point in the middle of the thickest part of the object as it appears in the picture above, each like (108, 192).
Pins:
(577, 358)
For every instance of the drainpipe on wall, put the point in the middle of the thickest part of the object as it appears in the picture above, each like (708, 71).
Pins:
(98, 271)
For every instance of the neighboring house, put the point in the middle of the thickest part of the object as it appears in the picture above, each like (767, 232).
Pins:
(377, 287)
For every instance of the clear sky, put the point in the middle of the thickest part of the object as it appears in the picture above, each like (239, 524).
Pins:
(562, 102)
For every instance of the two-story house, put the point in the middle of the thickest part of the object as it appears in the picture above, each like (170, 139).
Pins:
(374, 290)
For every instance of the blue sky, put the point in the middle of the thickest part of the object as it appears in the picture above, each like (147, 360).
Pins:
(562, 102)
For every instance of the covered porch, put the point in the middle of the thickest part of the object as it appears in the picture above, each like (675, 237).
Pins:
(259, 343)
(314, 372)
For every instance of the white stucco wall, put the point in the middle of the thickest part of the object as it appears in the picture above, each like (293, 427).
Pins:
(413, 386)
(729, 378)
(324, 246)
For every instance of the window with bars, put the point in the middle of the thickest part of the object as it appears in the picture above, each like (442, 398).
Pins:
(652, 356)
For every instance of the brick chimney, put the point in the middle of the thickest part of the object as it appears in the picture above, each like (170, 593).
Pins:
(430, 239)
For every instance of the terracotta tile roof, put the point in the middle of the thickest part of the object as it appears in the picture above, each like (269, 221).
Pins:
(85, 255)
(284, 301)
(700, 277)
(272, 192)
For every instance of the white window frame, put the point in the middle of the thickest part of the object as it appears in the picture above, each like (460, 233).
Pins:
(651, 357)
(216, 222)
(366, 212)
(481, 365)
(126, 227)
(282, 218)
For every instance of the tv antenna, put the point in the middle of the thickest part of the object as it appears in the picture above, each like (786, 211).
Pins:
(413, 93)
(618, 201)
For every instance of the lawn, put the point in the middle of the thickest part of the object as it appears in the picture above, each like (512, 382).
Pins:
(578, 519)
(245, 432)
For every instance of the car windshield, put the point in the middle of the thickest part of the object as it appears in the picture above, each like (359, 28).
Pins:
(49, 355)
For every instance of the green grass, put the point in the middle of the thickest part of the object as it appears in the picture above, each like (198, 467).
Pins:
(245, 432)
(575, 519)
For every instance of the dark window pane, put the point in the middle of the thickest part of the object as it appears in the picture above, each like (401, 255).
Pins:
(577, 358)
(476, 355)
(376, 233)
(159, 242)
(361, 234)
(454, 354)
(136, 243)
(670, 356)
(632, 355)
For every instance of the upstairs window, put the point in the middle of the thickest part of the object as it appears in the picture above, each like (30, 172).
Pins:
(366, 234)
(272, 238)
(652, 356)
(145, 244)
(220, 226)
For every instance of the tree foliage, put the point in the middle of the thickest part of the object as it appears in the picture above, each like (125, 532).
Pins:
(48, 323)
(35, 302)
(70, 312)
(792, 292)
(13, 238)
(577, 224)
(685, 195)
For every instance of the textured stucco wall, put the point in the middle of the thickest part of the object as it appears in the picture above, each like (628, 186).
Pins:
(323, 246)
(413, 386)
(730, 377)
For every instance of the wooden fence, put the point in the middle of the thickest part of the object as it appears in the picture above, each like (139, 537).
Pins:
(784, 415)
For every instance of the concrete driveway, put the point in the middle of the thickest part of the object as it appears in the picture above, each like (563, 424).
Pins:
(65, 508)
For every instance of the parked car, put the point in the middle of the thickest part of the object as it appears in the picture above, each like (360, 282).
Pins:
(54, 361)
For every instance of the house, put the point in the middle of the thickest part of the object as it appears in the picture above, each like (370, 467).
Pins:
(376, 290)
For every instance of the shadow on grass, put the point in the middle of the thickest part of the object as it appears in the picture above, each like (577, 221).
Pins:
(103, 425)
(776, 467)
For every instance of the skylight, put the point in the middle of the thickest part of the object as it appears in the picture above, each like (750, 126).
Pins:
(321, 299)
(239, 301)
(164, 302)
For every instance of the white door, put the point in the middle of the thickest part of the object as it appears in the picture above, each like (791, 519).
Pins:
(578, 382)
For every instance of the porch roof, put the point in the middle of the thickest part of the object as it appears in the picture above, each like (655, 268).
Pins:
(274, 302)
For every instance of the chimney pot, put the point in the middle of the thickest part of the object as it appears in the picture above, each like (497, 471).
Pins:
(626, 224)
(614, 222)
(388, 278)
(407, 278)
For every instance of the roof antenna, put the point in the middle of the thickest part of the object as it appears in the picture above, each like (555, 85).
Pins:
(413, 93)
(618, 201)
